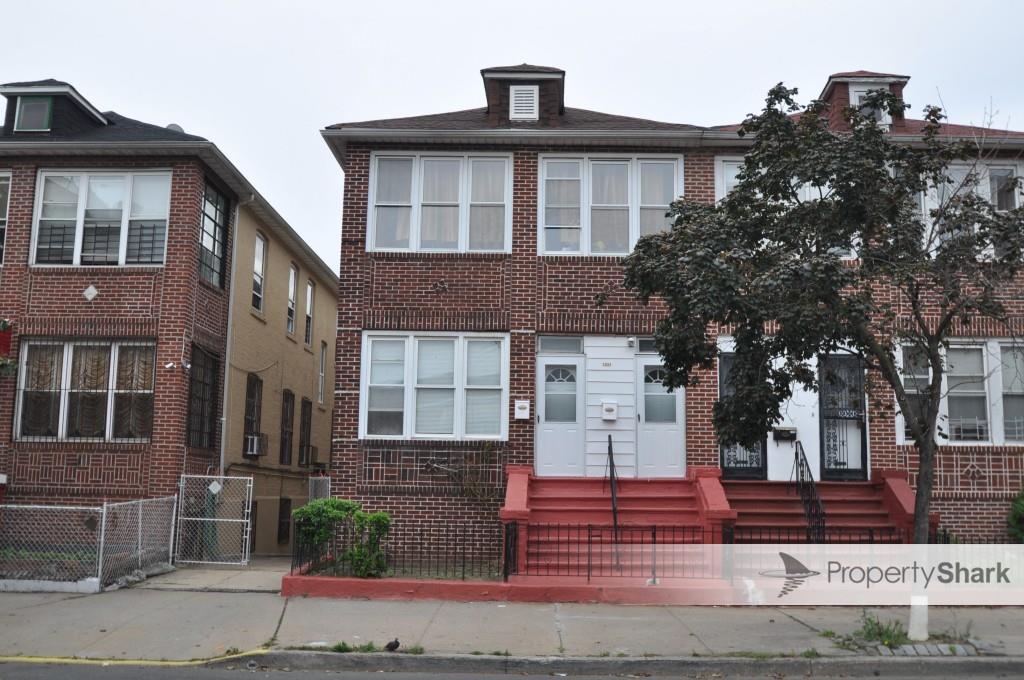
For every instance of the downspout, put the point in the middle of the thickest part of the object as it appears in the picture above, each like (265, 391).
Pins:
(226, 400)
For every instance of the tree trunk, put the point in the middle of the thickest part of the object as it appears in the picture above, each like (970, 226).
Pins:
(923, 495)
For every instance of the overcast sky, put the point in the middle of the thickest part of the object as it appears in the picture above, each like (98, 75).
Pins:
(260, 78)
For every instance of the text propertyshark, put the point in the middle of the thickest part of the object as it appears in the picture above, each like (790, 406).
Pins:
(944, 572)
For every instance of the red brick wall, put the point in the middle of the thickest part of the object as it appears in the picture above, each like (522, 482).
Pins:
(524, 294)
(165, 304)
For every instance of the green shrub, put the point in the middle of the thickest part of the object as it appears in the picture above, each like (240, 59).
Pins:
(1016, 518)
(315, 521)
(366, 558)
(891, 634)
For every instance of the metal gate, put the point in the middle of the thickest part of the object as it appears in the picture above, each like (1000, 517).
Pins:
(214, 520)
(843, 427)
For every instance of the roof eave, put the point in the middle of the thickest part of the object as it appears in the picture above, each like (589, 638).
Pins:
(207, 152)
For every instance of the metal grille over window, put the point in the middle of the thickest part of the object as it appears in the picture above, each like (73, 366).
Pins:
(287, 423)
(254, 443)
(87, 391)
(215, 220)
(1013, 393)
(306, 432)
(202, 410)
(968, 402)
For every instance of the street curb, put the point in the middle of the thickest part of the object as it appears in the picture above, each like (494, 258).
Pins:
(467, 663)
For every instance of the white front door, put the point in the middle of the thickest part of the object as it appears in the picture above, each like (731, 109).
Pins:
(660, 416)
(561, 417)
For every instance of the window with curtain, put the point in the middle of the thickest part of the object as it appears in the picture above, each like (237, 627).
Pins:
(258, 264)
(451, 387)
(449, 202)
(202, 393)
(967, 397)
(293, 284)
(214, 236)
(1012, 368)
(602, 205)
(287, 423)
(305, 432)
(310, 290)
(5, 195)
(102, 218)
(82, 390)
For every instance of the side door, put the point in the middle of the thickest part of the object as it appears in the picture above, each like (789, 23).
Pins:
(660, 417)
(561, 417)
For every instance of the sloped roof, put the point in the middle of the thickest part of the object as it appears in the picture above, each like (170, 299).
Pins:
(119, 129)
(523, 68)
(866, 74)
(46, 82)
(476, 119)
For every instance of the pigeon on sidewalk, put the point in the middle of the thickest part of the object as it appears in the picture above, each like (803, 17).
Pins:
(392, 646)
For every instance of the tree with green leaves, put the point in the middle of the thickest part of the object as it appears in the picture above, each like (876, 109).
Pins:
(768, 264)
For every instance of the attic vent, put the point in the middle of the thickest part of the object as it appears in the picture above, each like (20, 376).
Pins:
(523, 102)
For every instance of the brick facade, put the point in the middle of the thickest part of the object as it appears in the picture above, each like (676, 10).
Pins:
(524, 294)
(167, 304)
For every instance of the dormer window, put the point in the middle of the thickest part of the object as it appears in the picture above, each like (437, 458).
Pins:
(33, 114)
(858, 95)
(523, 102)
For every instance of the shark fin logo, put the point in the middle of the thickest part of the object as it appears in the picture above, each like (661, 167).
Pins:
(795, 573)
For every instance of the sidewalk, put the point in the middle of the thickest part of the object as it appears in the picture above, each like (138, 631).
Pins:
(160, 620)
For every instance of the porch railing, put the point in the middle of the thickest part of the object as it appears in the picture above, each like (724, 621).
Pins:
(613, 485)
(814, 509)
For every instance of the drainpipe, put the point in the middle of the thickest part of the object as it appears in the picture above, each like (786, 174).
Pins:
(226, 401)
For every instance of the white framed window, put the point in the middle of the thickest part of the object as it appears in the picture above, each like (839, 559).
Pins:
(727, 169)
(560, 344)
(440, 202)
(101, 218)
(322, 375)
(434, 386)
(258, 266)
(982, 388)
(859, 92)
(5, 195)
(601, 205)
(84, 390)
(34, 114)
(293, 284)
(523, 102)
(310, 291)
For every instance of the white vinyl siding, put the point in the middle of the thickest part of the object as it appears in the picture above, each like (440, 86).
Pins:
(601, 205)
(434, 386)
(441, 202)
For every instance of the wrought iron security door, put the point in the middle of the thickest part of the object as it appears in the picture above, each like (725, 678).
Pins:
(844, 441)
(739, 462)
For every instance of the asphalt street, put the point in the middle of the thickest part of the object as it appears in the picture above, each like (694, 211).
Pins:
(11, 671)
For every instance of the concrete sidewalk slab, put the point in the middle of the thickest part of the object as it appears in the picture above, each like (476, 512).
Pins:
(488, 627)
(312, 621)
(262, 575)
(597, 630)
(138, 624)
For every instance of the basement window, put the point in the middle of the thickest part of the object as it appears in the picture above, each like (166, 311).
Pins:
(523, 102)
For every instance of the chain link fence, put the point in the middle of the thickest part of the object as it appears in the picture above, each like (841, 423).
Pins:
(214, 520)
(83, 548)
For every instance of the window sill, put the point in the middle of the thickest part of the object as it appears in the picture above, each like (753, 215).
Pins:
(308, 348)
(259, 316)
(79, 446)
(291, 336)
(106, 268)
(586, 257)
(211, 287)
(435, 255)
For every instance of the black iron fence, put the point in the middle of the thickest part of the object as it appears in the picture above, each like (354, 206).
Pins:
(454, 550)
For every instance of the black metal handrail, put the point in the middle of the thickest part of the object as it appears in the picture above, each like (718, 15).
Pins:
(613, 485)
(814, 509)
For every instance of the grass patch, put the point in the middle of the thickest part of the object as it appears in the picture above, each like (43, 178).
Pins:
(827, 633)
(811, 653)
(415, 649)
(345, 648)
(891, 634)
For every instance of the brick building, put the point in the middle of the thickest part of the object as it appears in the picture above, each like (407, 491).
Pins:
(484, 338)
(117, 240)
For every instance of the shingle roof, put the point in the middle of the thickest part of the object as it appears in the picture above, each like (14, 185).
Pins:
(523, 68)
(913, 126)
(476, 119)
(46, 82)
(119, 129)
(866, 74)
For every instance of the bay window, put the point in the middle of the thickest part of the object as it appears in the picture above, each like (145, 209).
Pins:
(440, 202)
(603, 205)
(102, 218)
(435, 386)
(86, 390)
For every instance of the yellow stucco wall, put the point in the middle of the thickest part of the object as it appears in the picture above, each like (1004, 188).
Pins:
(261, 344)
